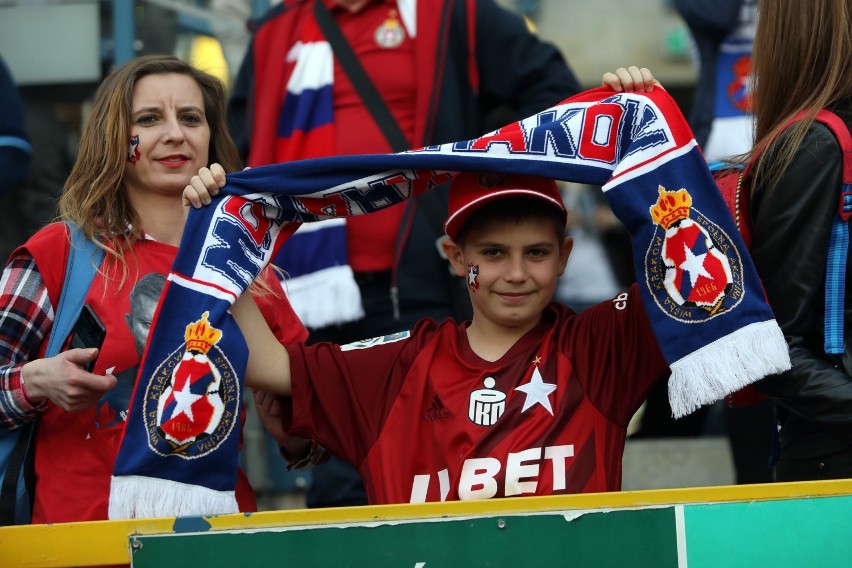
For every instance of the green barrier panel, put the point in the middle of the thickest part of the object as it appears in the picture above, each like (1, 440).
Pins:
(637, 538)
(782, 534)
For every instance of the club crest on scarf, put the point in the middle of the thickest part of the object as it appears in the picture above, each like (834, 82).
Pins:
(190, 405)
(693, 269)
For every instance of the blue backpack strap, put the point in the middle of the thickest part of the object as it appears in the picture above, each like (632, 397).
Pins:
(835, 277)
(84, 258)
(838, 247)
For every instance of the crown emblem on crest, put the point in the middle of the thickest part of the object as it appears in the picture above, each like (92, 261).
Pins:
(201, 336)
(671, 207)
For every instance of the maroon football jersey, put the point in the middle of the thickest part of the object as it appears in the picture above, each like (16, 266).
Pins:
(423, 418)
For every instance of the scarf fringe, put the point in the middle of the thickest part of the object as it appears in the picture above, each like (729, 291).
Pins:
(326, 297)
(727, 365)
(135, 496)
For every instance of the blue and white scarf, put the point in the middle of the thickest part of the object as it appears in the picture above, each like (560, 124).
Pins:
(702, 295)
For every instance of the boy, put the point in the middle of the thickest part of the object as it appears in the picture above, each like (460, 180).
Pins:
(526, 399)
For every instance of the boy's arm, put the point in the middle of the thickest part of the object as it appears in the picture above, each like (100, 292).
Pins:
(268, 364)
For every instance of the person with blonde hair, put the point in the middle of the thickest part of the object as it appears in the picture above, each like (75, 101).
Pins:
(154, 123)
(800, 65)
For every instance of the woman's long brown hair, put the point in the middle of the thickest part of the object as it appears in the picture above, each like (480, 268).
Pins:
(800, 63)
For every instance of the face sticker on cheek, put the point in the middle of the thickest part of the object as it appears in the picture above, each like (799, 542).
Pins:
(472, 274)
(133, 152)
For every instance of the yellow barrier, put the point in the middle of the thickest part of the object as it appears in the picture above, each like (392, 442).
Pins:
(107, 542)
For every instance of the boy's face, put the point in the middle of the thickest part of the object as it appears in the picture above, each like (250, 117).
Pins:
(516, 266)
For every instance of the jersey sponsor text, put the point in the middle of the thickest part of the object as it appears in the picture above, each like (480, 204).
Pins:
(480, 477)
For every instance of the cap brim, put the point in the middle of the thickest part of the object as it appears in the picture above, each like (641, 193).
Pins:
(460, 216)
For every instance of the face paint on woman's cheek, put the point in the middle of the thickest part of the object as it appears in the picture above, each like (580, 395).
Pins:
(472, 275)
(133, 152)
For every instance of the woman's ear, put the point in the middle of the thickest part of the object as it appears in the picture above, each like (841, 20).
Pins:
(453, 252)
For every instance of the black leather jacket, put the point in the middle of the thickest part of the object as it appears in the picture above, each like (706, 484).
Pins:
(792, 225)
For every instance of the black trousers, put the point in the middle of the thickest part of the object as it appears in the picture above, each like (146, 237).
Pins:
(834, 466)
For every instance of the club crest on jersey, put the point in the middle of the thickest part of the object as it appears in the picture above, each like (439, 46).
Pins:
(486, 406)
(190, 405)
(390, 33)
(693, 270)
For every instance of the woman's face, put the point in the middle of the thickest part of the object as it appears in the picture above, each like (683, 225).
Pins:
(169, 135)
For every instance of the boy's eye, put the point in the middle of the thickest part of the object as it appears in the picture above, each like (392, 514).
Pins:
(491, 252)
(537, 253)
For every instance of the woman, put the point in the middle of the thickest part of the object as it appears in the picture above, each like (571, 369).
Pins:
(154, 123)
(801, 63)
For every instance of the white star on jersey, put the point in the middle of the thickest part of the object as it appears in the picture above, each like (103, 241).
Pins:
(184, 400)
(538, 392)
(693, 265)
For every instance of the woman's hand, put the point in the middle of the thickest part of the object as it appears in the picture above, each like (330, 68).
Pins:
(63, 380)
(630, 80)
(204, 186)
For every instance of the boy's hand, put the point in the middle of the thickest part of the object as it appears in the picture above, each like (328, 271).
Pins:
(204, 186)
(630, 80)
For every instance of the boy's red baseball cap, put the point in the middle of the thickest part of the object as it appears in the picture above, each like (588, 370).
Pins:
(471, 190)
